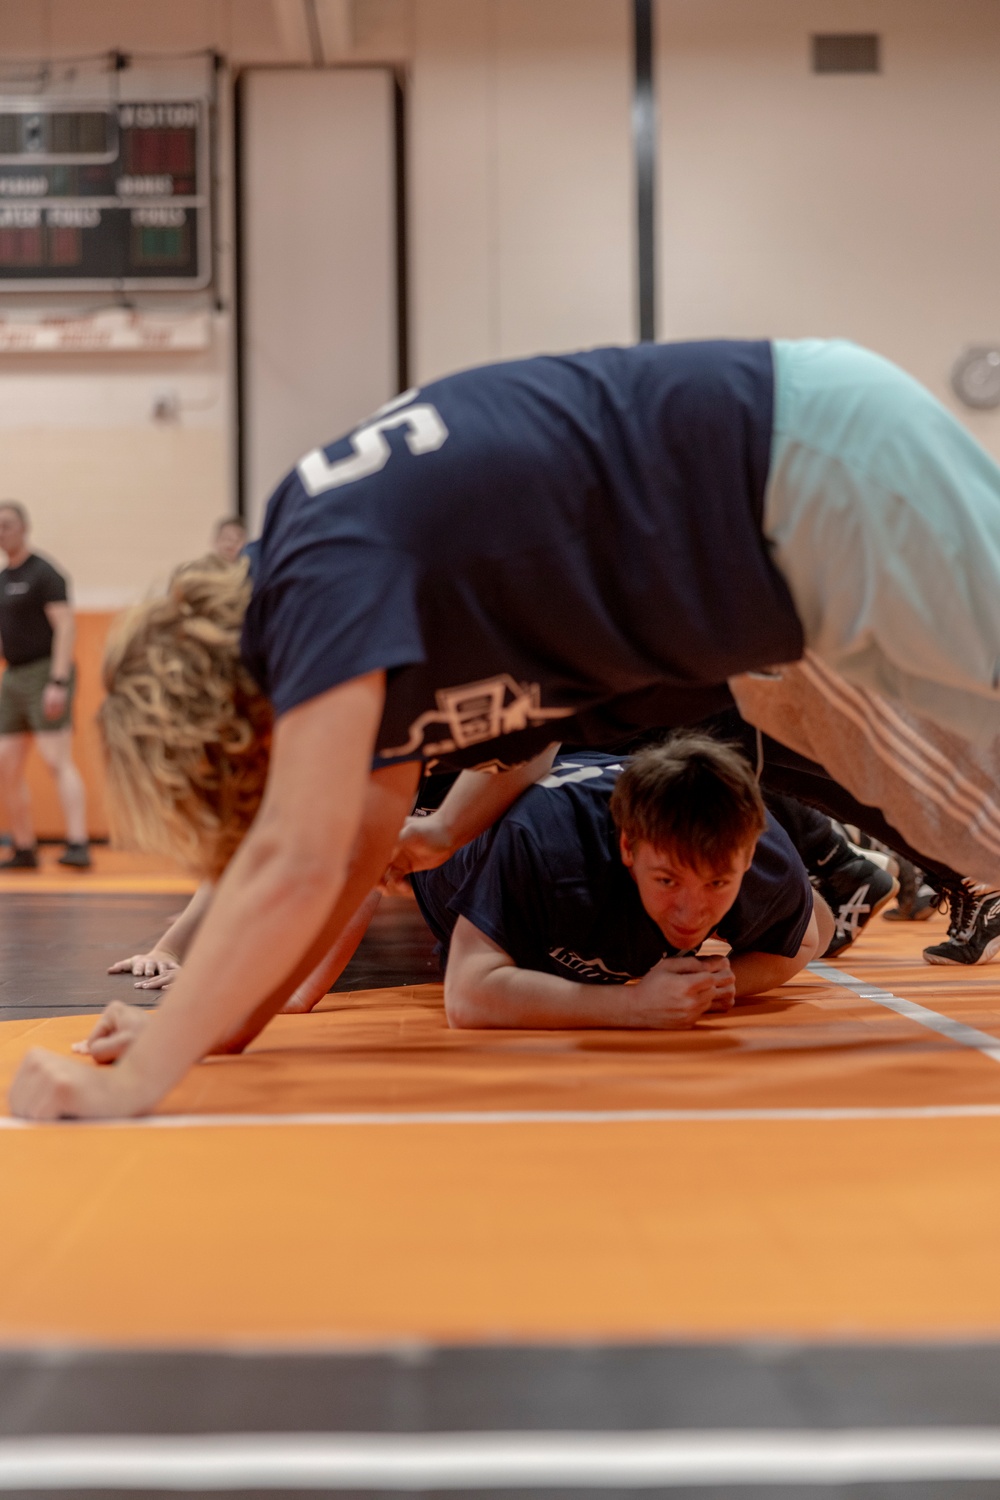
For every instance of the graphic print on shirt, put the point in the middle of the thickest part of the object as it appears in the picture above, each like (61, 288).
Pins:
(566, 772)
(476, 712)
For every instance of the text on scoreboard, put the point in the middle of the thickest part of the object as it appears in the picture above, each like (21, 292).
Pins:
(104, 195)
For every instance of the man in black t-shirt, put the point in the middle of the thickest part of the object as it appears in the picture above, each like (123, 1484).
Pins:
(604, 874)
(36, 694)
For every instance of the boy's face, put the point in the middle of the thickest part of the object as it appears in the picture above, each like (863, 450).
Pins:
(686, 904)
(230, 542)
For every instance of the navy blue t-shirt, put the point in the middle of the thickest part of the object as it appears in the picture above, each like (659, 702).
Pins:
(548, 885)
(554, 548)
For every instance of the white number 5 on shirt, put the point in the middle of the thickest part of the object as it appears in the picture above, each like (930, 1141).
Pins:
(425, 432)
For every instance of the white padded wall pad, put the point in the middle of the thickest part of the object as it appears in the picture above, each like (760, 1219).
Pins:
(318, 296)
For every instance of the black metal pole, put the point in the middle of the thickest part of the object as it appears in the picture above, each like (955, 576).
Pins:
(402, 248)
(239, 288)
(644, 146)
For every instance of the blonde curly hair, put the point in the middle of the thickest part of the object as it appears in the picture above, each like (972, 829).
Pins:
(186, 730)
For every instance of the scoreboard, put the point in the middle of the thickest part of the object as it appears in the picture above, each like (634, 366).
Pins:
(104, 196)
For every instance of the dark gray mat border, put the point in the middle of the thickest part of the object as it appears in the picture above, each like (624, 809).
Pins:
(578, 1387)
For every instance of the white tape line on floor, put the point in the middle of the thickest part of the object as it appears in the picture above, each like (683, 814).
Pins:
(955, 1031)
(522, 1117)
(484, 1460)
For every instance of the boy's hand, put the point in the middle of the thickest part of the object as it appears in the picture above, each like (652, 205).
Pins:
(114, 1032)
(161, 981)
(678, 991)
(423, 844)
(157, 962)
(49, 1087)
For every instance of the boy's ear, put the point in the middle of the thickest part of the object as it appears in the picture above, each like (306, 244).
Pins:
(625, 849)
(748, 854)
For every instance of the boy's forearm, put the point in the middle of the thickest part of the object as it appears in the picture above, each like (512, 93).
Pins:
(335, 961)
(478, 798)
(511, 997)
(267, 907)
(208, 1001)
(181, 933)
(323, 961)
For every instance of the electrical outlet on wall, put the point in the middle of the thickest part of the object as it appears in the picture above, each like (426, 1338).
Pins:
(166, 407)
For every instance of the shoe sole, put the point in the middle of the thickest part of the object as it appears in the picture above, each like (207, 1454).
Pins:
(886, 862)
(989, 952)
(876, 909)
(923, 915)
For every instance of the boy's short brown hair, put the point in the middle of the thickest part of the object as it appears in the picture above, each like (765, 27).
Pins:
(691, 795)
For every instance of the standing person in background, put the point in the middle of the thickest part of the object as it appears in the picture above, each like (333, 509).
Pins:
(36, 695)
(229, 539)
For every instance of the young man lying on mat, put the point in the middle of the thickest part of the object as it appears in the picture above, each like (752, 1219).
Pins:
(602, 874)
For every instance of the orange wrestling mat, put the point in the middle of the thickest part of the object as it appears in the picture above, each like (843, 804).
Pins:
(817, 1164)
(113, 872)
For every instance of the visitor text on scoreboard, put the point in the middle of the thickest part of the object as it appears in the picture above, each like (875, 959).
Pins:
(104, 196)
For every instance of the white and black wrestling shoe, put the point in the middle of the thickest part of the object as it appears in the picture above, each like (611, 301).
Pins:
(974, 929)
(855, 888)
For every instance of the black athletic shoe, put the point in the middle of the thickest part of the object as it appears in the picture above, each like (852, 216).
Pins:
(917, 901)
(76, 855)
(974, 929)
(855, 889)
(21, 859)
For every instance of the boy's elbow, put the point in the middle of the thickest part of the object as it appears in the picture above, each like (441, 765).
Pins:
(464, 1008)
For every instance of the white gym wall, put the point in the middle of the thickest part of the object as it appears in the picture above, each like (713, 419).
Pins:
(521, 193)
(793, 204)
(319, 345)
(788, 204)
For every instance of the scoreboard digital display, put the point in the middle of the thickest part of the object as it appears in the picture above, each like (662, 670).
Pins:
(104, 196)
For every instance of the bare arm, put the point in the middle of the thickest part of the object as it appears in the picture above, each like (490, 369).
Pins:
(119, 1025)
(329, 969)
(483, 987)
(757, 972)
(472, 805)
(319, 844)
(60, 617)
(170, 951)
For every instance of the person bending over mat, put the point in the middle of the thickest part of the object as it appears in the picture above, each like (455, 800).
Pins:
(602, 875)
(561, 548)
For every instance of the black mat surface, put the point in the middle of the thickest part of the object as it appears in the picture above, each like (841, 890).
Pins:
(55, 950)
